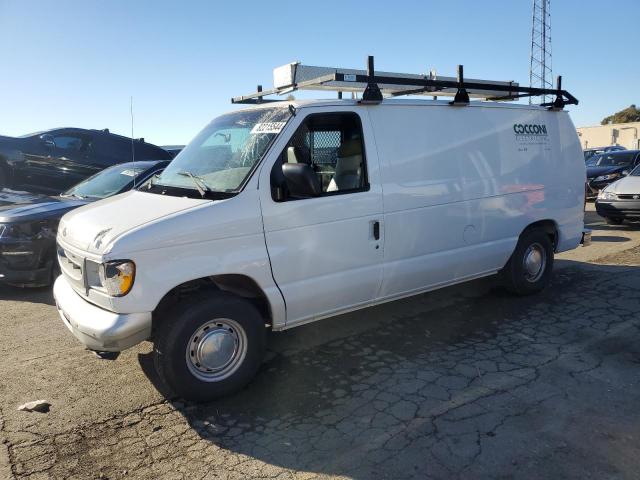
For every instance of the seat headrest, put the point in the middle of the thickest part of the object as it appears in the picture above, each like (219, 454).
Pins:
(297, 155)
(291, 155)
(350, 148)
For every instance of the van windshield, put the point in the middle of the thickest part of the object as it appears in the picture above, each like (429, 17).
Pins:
(221, 157)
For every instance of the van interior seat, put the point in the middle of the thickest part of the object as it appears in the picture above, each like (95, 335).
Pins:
(348, 166)
(298, 155)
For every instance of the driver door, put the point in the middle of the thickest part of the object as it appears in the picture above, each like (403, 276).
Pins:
(326, 251)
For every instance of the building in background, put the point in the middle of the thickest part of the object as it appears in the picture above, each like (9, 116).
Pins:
(625, 134)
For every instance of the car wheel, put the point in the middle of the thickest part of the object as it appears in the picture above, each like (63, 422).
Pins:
(614, 221)
(209, 345)
(531, 264)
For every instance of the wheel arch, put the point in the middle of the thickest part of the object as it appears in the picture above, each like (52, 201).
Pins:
(549, 226)
(239, 284)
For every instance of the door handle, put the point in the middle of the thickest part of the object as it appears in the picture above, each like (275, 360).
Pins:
(376, 230)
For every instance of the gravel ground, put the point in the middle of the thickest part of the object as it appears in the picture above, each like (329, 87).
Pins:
(466, 382)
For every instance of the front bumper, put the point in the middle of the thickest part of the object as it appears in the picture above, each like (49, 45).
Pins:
(26, 263)
(36, 278)
(96, 328)
(618, 208)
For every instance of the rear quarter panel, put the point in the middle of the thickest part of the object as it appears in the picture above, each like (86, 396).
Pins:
(460, 185)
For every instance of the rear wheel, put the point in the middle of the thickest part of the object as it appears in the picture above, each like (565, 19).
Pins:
(209, 345)
(614, 220)
(531, 264)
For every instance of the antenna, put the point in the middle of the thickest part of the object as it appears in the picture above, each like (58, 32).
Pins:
(540, 71)
(133, 147)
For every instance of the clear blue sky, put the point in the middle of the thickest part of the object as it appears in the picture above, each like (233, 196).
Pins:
(76, 63)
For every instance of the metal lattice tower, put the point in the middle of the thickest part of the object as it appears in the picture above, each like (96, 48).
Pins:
(540, 71)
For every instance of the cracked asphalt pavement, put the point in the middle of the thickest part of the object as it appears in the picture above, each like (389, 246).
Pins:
(465, 382)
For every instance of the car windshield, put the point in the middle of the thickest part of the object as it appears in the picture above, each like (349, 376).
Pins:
(589, 154)
(107, 182)
(635, 172)
(221, 156)
(593, 161)
(613, 160)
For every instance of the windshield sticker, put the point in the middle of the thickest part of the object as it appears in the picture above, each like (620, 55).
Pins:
(268, 127)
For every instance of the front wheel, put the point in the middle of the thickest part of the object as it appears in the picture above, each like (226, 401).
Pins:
(209, 345)
(531, 264)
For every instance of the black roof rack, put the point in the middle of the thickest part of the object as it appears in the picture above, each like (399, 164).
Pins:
(375, 87)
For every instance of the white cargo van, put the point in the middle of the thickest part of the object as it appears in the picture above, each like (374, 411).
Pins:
(285, 213)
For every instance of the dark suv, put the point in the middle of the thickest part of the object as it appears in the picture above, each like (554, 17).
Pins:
(53, 161)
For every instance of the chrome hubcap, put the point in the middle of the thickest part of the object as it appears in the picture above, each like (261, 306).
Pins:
(216, 350)
(534, 262)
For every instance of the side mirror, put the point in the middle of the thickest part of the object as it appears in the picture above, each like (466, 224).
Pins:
(302, 181)
(47, 141)
(625, 172)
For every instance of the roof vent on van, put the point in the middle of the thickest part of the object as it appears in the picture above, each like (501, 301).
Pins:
(375, 86)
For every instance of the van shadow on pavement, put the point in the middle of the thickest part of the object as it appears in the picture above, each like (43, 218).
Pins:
(485, 384)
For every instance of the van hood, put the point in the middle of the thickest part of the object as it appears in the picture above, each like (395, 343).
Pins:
(94, 227)
(629, 185)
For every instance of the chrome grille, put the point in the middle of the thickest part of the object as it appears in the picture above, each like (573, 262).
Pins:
(72, 267)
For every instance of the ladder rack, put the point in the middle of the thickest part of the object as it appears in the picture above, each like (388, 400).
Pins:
(377, 86)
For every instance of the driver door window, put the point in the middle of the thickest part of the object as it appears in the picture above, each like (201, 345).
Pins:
(331, 144)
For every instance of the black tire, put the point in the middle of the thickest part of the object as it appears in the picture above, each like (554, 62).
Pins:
(196, 317)
(614, 221)
(520, 280)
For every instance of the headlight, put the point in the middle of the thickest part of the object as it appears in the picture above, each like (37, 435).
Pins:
(604, 195)
(602, 178)
(117, 277)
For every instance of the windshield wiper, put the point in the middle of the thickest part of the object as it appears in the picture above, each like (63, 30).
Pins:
(72, 195)
(200, 184)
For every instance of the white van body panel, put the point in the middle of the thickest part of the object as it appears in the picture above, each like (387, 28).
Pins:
(207, 238)
(460, 186)
(322, 251)
(452, 189)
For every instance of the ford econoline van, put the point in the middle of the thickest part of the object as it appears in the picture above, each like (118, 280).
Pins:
(284, 213)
